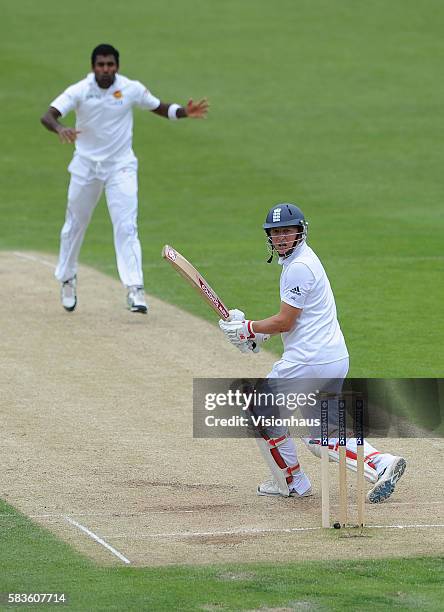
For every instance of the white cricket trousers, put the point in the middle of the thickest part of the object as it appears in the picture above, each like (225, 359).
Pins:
(334, 370)
(333, 373)
(88, 180)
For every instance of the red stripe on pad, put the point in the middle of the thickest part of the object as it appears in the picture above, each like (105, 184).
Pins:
(352, 455)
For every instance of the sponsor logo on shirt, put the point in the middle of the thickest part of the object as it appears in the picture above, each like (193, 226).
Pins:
(296, 290)
(92, 95)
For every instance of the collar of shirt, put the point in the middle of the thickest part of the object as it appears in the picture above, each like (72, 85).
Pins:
(285, 261)
(91, 79)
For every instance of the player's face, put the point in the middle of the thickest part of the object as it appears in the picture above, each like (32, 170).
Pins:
(283, 238)
(105, 68)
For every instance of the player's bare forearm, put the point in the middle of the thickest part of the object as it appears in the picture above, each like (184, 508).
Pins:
(162, 111)
(51, 123)
(283, 321)
(49, 120)
(272, 325)
(193, 110)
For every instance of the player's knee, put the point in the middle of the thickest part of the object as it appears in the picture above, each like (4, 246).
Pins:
(125, 229)
(74, 223)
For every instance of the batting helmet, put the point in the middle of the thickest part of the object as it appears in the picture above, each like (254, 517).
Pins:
(285, 215)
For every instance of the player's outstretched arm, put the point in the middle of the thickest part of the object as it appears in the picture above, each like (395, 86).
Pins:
(51, 123)
(193, 110)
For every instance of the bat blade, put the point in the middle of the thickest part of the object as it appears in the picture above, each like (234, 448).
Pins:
(195, 279)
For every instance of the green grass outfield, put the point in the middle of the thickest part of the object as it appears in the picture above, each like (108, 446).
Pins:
(34, 561)
(333, 104)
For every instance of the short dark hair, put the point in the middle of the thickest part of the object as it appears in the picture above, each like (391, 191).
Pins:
(104, 49)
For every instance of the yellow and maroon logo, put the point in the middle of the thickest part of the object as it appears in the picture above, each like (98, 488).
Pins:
(117, 94)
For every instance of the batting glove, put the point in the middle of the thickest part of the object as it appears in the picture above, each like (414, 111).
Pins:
(238, 334)
(236, 315)
(258, 340)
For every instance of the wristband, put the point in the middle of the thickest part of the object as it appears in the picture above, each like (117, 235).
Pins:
(172, 111)
(250, 329)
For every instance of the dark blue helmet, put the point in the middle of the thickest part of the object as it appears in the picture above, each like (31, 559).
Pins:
(285, 215)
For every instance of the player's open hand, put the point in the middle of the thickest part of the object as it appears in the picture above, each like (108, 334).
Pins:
(197, 110)
(67, 134)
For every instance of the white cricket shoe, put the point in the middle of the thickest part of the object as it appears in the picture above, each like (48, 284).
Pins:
(68, 294)
(271, 489)
(136, 299)
(387, 481)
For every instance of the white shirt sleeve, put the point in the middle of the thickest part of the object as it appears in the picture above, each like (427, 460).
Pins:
(67, 101)
(145, 99)
(297, 284)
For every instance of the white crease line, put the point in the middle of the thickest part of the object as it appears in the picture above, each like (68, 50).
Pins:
(35, 259)
(425, 526)
(97, 539)
(392, 503)
(203, 534)
(108, 514)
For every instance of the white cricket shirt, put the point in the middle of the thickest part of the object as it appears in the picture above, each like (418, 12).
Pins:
(105, 116)
(316, 337)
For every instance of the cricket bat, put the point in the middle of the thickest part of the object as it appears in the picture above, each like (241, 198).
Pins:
(195, 279)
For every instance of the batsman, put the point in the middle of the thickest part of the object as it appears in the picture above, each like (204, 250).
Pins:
(314, 348)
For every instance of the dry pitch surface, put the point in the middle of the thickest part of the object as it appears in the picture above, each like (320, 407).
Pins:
(96, 413)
